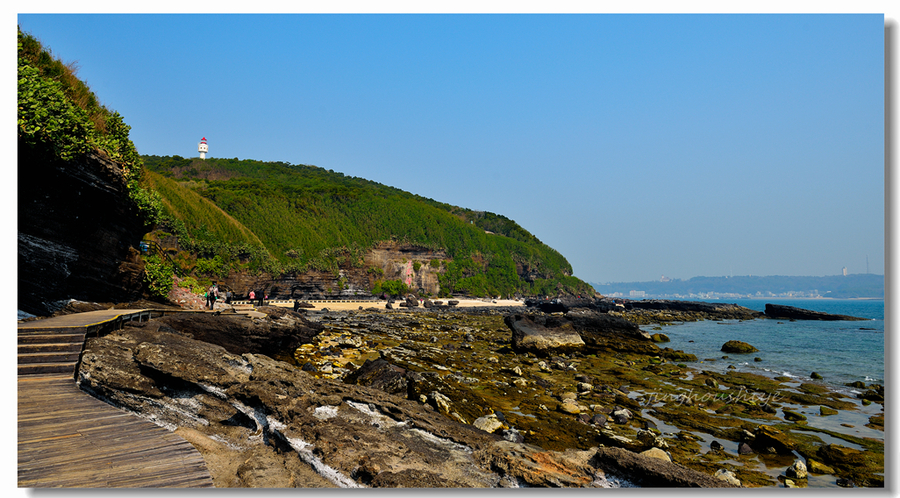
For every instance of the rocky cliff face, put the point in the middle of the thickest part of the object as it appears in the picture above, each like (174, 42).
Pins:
(77, 232)
(394, 261)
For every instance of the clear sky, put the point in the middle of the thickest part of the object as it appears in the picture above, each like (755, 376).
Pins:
(636, 145)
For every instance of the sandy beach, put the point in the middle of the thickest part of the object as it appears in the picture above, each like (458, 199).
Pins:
(380, 304)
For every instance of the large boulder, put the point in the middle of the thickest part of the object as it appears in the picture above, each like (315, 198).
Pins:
(543, 335)
(647, 471)
(279, 333)
(738, 347)
(381, 375)
(602, 332)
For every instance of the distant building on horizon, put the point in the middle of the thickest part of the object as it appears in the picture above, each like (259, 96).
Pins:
(203, 148)
(844, 271)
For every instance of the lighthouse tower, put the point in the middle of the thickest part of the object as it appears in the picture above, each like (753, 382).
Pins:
(203, 148)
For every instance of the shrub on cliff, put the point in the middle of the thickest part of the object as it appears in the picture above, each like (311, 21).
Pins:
(58, 113)
(158, 277)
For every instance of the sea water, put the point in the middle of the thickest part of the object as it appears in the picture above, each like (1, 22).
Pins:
(840, 351)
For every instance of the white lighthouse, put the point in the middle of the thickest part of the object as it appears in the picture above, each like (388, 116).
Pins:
(203, 148)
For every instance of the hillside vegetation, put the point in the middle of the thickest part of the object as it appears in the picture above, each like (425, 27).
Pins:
(309, 218)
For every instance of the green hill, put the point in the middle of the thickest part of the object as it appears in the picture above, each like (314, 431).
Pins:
(308, 218)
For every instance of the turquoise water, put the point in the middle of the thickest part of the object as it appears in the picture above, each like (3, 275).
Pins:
(842, 352)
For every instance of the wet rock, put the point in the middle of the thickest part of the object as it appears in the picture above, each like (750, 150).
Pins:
(796, 471)
(660, 338)
(651, 472)
(727, 476)
(715, 446)
(844, 483)
(656, 453)
(652, 439)
(381, 375)
(816, 376)
(513, 436)
(816, 467)
(875, 394)
(488, 423)
(598, 419)
(440, 402)
(826, 411)
(766, 437)
(745, 449)
(793, 416)
(738, 347)
(542, 335)
(622, 416)
(569, 406)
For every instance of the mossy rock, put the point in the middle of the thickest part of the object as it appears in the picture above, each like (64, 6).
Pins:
(825, 411)
(738, 347)
(816, 376)
(793, 416)
(817, 467)
(660, 338)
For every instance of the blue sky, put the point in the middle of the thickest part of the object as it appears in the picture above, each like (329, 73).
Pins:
(636, 145)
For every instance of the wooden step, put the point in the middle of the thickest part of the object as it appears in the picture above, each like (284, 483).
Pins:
(46, 368)
(63, 357)
(50, 338)
(61, 347)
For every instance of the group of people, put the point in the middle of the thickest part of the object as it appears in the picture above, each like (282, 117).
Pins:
(212, 295)
(258, 295)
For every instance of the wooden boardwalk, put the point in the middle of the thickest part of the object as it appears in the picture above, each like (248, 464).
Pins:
(69, 439)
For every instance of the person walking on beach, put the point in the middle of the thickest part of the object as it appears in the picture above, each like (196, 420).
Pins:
(260, 296)
(251, 296)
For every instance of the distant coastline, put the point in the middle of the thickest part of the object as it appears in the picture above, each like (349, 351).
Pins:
(853, 286)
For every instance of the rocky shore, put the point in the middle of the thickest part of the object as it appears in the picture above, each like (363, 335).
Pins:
(477, 397)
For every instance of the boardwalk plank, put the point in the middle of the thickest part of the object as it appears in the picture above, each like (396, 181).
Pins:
(66, 438)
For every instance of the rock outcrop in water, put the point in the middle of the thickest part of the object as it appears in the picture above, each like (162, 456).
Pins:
(781, 311)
